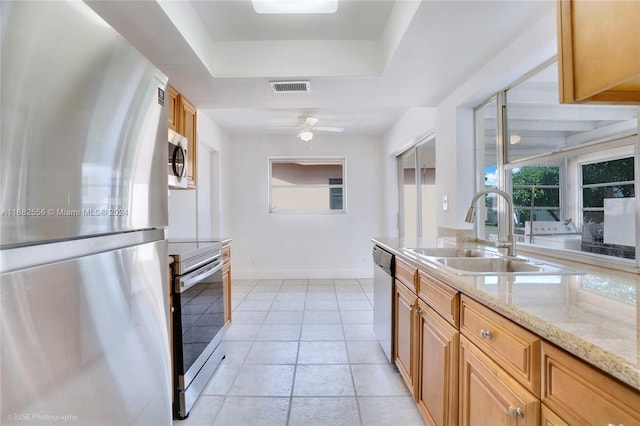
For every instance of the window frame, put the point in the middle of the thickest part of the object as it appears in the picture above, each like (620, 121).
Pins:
(415, 149)
(601, 148)
(310, 160)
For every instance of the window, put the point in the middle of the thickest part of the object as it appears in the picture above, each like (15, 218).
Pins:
(566, 163)
(608, 207)
(307, 185)
(536, 194)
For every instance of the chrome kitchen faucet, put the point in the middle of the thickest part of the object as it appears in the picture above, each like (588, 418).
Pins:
(510, 244)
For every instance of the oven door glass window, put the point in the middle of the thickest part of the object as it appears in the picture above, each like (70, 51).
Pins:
(202, 318)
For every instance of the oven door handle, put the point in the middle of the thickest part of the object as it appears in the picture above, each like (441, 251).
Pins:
(185, 282)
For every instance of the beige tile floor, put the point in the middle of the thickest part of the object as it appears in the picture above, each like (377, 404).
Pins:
(303, 352)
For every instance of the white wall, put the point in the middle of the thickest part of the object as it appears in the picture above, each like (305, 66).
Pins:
(200, 213)
(453, 123)
(455, 160)
(305, 245)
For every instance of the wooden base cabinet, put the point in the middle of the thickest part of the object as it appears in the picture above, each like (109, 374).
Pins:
(404, 347)
(437, 392)
(549, 418)
(489, 395)
(579, 394)
(514, 348)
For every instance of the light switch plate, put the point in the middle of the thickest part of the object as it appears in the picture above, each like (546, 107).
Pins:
(445, 203)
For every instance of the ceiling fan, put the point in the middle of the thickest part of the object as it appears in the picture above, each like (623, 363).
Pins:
(308, 125)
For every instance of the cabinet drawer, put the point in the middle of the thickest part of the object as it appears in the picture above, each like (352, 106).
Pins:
(226, 253)
(580, 394)
(514, 348)
(407, 273)
(444, 299)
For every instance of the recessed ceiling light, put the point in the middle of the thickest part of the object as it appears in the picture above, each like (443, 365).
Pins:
(295, 6)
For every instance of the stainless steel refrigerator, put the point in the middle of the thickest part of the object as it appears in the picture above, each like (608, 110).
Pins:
(84, 331)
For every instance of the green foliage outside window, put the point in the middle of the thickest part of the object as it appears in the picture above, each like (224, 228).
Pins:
(536, 193)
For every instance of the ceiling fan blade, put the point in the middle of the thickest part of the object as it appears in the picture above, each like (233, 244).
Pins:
(282, 128)
(329, 129)
(310, 121)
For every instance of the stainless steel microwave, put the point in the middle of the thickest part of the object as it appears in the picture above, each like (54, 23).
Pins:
(178, 160)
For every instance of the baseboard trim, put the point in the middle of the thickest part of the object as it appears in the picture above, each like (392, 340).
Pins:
(297, 274)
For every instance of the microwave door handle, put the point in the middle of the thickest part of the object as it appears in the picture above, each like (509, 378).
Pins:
(189, 280)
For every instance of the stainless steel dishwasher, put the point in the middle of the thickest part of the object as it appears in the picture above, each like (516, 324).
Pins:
(383, 271)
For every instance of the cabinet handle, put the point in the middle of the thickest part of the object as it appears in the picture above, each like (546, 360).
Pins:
(611, 424)
(485, 334)
(516, 412)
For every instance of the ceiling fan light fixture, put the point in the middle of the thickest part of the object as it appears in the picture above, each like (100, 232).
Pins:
(295, 6)
(305, 134)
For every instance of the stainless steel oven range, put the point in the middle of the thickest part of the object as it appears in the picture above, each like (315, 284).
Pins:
(198, 319)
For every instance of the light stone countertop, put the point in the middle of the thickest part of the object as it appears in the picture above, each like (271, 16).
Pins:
(595, 316)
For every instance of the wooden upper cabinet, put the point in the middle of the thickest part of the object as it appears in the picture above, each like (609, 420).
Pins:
(183, 119)
(173, 105)
(599, 51)
(188, 119)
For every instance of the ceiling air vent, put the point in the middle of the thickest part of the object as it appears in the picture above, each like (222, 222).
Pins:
(290, 86)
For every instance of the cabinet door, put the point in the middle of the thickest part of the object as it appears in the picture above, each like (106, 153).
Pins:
(188, 126)
(173, 108)
(437, 368)
(406, 305)
(599, 62)
(580, 394)
(549, 418)
(488, 393)
(226, 291)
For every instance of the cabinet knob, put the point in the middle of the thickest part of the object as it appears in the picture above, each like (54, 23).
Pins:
(485, 334)
(516, 412)
(418, 312)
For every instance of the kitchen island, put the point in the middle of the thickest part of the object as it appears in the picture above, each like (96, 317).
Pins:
(592, 316)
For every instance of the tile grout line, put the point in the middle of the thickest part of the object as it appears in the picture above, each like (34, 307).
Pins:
(295, 368)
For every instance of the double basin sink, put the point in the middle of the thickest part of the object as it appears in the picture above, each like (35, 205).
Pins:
(484, 262)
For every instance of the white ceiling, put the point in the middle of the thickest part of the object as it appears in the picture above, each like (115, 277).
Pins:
(367, 63)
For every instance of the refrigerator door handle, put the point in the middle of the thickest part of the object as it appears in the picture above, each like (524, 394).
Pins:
(187, 281)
